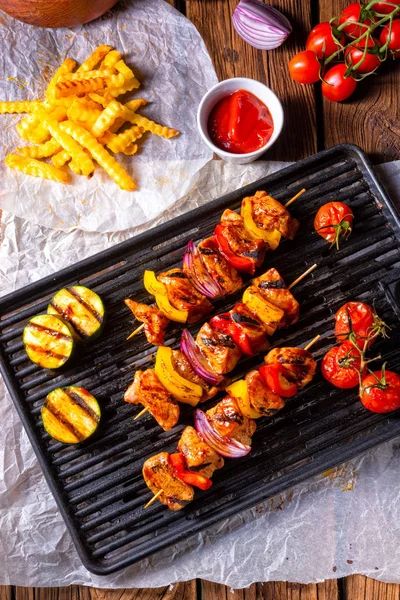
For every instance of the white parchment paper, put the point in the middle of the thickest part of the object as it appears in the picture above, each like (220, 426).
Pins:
(169, 57)
(342, 522)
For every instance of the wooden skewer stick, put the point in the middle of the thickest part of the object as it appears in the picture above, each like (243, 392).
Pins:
(141, 413)
(153, 499)
(312, 342)
(295, 197)
(135, 332)
(296, 281)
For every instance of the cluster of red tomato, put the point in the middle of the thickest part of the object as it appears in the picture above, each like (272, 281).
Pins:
(357, 327)
(352, 40)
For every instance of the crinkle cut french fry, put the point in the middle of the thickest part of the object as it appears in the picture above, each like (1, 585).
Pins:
(110, 60)
(107, 118)
(130, 150)
(100, 154)
(128, 86)
(98, 98)
(96, 56)
(36, 168)
(67, 66)
(127, 73)
(133, 105)
(68, 143)
(21, 106)
(119, 142)
(43, 151)
(78, 111)
(32, 130)
(61, 158)
(79, 76)
(155, 128)
(86, 86)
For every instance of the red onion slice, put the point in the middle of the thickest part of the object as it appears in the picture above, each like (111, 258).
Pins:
(199, 276)
(198, 362)
(260, 25)
(223, 446)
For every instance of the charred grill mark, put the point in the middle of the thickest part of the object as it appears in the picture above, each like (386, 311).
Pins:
(57, 335)
(273, 285)
(296, 360)
(88, 307)
(64, 421)
(223, 340)
(207, 251)
(41, 350)
(176, 500)
(66, 314)
(252, 254)
(177, 275)
(238, 318)
(76, 399)
(229, 417)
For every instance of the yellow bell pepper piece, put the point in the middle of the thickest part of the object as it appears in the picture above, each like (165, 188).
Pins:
(239, 391)
(267, 312)
(182, 389)
(159, 291)
(271, 237)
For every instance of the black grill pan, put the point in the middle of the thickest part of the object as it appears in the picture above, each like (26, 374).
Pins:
(98, 485)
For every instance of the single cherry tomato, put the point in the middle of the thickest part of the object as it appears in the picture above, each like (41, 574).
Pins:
(341, 365)
(394, 44)
(304, 67)
(320, 40)
(354, 12)
(380, 391)
(356, 320)
(369, 62)
(333, 220)
(384, 9)
(336, 87)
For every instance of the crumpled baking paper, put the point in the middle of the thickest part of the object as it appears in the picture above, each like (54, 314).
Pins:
(169, 57)
(342, 522)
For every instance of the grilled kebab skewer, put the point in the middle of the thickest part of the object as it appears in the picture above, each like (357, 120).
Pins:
(212, 269)
(177, 375)
(200, 452)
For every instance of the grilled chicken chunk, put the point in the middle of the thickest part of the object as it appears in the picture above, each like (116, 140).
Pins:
(261, 397)
(239, 239)
(159, 475)
(273, 288)
(146, 389)
(183, 367)
(299, 365)
(184, 296)
(269, 214)
(198, 455)
(219, 349)
(228, 421)
(255, 329)
(155, 323)
(219, 268)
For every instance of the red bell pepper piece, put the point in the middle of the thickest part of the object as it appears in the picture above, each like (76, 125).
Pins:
(227, 325)
(275, 379)
(177, 462)
(241, 263)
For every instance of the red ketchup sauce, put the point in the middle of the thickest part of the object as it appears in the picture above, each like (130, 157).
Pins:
(240, 123)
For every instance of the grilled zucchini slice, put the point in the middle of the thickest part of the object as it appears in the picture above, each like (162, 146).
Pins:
(81, 308)
(70, 414)
(49, 341)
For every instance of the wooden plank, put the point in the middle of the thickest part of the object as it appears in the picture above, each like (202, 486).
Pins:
(370, 118)
(5, 590)
(280, 590)
(232, 57)
(359, 587)
(180, 591)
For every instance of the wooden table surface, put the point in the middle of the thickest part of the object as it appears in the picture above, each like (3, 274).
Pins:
(370, 120)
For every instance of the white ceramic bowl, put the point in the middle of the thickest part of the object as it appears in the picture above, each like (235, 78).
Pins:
(224, 88)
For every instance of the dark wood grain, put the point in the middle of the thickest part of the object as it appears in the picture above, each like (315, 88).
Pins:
(6, 592)
(370, 118)
(279, 590)
(358, 587)
(232, 57)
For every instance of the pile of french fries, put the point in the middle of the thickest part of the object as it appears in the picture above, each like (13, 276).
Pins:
(80, 119)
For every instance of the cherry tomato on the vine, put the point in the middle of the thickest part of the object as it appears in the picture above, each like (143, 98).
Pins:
(355, 319)
(354, 13)
(336, 87)
(332, 220)
(394, 44)
(380, 391)
(304, 67)
(369, 62)
(320, 40)
(384, 9)
(341, 365)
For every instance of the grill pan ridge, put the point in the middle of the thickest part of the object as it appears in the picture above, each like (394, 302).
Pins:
(98, 485)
